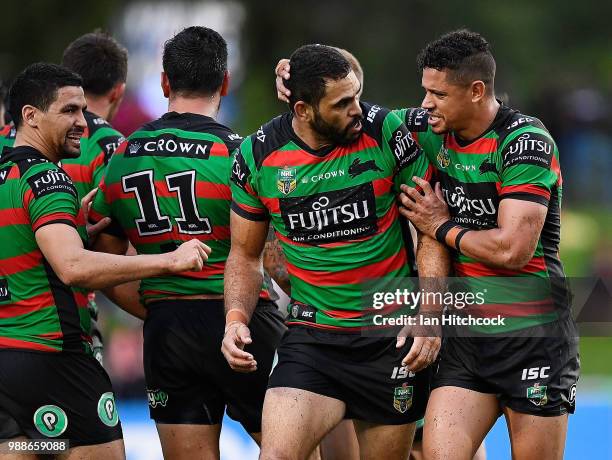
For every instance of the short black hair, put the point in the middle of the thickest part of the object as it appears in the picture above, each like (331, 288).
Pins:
(311, 66)
(37, 85)
(195, 61)
(99, 59)
(465, 53)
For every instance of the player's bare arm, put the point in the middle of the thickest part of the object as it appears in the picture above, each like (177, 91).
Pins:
(243, 278)
(126, 295)
(511, 245)
(275, 263)
(76, 266)
(433, 262)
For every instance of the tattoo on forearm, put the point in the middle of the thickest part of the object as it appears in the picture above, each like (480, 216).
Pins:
(275, 264)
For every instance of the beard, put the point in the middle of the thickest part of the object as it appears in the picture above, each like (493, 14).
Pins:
(337, 136)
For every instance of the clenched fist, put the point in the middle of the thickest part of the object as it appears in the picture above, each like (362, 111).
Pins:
(189, 256)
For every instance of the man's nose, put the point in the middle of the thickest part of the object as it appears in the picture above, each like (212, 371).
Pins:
(427, 102)
(355, 110)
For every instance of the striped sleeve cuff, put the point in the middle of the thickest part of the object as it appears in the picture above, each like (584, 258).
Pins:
(526, 192)
(55, 218)
(250, 212)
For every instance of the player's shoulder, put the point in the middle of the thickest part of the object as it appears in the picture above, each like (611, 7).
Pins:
(189, 123)
(415, 118)
(101, 136)
(42, 176)
(99, 126)
(28, 161)
(95, 122)
(524, 140)
(268, 138)
(514, 126)
(374, 116)
(224, 134)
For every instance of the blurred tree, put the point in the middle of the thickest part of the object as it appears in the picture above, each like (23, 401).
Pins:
(39, 30)
(538, 45)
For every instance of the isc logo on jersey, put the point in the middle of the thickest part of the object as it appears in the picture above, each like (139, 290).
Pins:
(415, 120)
(372, 113)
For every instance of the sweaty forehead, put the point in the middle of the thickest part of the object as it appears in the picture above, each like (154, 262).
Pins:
(339, 89)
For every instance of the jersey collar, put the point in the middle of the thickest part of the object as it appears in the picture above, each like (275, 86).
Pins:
(23, 152)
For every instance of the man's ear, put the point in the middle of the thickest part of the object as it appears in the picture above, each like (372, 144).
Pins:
(30, 115)
(479, 89)
(303, 111)
(165, 84)
(226, 83)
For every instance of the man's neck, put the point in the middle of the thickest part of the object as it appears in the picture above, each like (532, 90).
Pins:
(98, 106)
(308, 135)
(205, 105)
(481, 119)
(32, 140)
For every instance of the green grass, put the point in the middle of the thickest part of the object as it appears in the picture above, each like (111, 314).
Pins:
(595, 355)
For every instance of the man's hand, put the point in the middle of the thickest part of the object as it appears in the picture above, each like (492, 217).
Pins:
(423, 352)
(92, 229)
(426, 343)
(282, 73)
(426, 211)
(237, 335)
(189, 256)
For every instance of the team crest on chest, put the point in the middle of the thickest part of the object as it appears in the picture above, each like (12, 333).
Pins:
(443, 157)
(286, 181)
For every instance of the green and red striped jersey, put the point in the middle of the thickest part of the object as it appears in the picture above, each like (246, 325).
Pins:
(99, 142)
(169, 183)
(515, 158)
(7, 138)
(333, 210)
(37, 310)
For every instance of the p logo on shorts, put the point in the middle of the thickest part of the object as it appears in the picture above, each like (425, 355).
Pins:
(50, 420)
(107, 409)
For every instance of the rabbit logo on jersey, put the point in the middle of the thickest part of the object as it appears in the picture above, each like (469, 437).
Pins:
(333, 216)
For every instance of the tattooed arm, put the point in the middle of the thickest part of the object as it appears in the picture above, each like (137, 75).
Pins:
(274, 262)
